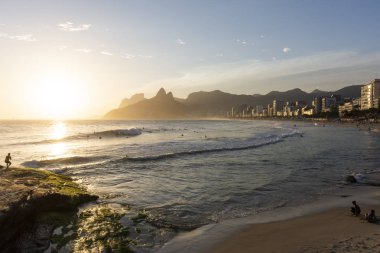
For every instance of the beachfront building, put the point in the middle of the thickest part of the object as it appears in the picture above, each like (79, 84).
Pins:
(278, 106)
(259, 110)
(338, 99)
(307, 110)
(356, 102)
(289, 109)
(346, 107)
(317, 104)
(370, 94)
(327, 103)
(265, 113)
(270, 111)
(376, 103)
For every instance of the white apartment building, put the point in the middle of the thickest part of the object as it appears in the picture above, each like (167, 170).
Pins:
(369, 94)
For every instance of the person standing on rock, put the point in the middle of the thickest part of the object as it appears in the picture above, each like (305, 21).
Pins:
(8, 159)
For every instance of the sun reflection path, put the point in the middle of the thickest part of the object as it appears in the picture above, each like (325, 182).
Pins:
(58, 130)
(57, 133)
(58, 149)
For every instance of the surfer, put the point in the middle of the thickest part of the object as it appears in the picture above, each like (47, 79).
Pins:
(8, 159)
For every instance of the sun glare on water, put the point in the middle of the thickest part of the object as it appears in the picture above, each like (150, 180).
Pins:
(58, 131)
(57, 95)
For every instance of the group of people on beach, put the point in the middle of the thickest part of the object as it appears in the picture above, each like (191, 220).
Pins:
(370, 217)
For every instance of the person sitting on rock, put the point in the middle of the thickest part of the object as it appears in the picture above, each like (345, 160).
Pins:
(371, 217)
(355, 210)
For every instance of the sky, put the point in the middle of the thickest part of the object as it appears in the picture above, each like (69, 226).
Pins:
(79, 59)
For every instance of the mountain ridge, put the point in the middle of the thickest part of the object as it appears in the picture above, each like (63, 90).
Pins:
(214, 103)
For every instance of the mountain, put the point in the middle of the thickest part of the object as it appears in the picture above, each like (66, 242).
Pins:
(352, 91)
(162, 106)
(133, 100)
(217, 103)
(214, 103)
(318, 91)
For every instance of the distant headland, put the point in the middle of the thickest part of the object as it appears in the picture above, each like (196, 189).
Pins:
(292, 103)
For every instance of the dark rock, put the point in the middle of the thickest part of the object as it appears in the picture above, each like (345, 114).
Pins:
(25, 195)
(351, 179)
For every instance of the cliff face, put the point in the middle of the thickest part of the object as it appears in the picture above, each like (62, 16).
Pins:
(162, 106)
(26, 195)
(133, 100)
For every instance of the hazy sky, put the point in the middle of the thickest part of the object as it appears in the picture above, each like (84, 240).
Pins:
(80, 58)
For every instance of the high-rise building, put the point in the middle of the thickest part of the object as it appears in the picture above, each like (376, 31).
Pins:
(277, 106)
(327, 102)
(317, 103)
(369, 93)
(269, 111)
(259, 109)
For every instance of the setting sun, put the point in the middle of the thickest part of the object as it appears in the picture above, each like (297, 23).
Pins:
(57, 95)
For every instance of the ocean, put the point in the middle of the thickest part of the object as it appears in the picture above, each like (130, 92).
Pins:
(187, 174)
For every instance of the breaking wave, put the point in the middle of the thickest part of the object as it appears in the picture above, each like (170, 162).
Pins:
(268, 140)
(95, 135)
(73, 160)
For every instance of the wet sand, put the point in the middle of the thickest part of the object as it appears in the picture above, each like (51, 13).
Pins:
(324, 226)
(330, 231)
(334, 230)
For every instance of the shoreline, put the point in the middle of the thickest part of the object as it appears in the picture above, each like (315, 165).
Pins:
(315, 223)
(330, 231)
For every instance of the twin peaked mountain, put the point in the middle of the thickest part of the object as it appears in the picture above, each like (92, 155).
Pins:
(162, 106)
(209, 104)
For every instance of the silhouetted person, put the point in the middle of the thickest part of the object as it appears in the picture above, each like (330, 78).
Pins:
(355, 210)
(372, 217)
(8, 159)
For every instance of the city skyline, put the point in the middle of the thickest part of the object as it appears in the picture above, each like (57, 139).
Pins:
(79, 59)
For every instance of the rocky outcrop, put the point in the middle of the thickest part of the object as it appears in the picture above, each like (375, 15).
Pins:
(161, 106)
(133, 100)
(31, 204)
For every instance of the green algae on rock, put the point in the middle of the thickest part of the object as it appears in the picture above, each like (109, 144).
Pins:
(109, 228)
(32, 203)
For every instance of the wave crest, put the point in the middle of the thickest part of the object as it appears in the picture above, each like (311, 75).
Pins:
(103, 134)
(266, 141)
(73, 160)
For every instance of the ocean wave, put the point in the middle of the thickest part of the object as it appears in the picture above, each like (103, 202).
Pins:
(369, 178)
(119, 132)
(73, 160)
(95, 135)
(269, 140)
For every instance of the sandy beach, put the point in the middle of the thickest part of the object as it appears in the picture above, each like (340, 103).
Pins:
(324, 226)
(334, 230)
(331, 231)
